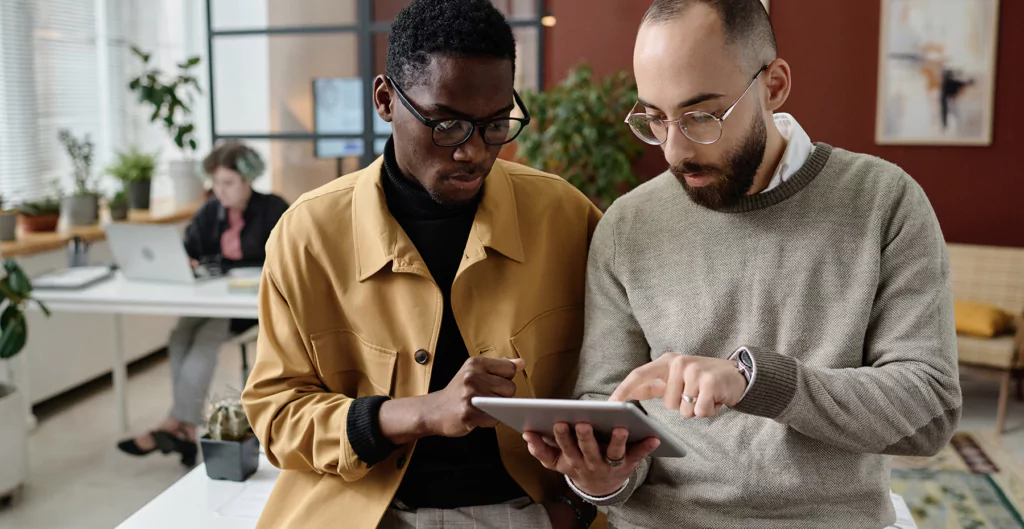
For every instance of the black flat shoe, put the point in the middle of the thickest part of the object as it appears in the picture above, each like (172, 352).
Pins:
(130, 447)
(169, 442)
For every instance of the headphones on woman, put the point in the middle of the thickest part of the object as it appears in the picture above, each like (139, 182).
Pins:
(250, 165)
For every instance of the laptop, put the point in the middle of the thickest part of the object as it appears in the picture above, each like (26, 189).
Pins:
(151, 252)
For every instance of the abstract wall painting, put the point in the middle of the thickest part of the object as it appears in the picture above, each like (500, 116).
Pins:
(936, 80)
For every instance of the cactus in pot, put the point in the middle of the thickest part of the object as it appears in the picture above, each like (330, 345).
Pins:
(227, 421)
(230, 449)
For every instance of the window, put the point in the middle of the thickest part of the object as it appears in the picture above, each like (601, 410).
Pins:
(298, 71)
(66, 64)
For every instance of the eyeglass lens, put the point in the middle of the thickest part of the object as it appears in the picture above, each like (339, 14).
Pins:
(496, 132)
(699, 127)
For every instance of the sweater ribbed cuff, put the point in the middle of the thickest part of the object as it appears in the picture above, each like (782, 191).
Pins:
(773, 389)
(363, 427)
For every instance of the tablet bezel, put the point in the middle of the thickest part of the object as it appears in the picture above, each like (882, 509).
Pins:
(540, 416)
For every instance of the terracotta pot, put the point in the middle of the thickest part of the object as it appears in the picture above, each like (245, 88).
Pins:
(39, 223)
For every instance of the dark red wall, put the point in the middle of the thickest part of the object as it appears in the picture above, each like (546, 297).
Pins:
(832, 47)
(600, 32)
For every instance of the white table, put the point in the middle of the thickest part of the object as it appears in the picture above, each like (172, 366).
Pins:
(117, 296)
(198, 502)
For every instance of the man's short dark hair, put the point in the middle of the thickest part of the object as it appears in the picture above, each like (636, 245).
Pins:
(746, 23)
(455, 28)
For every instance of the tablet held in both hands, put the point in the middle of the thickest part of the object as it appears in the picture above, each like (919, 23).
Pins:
(541, 415)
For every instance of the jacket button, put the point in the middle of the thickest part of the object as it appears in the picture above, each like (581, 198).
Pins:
(422, 357)
(401, 461)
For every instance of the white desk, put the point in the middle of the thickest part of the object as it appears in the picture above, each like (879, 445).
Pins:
(198, 502)
(118, 296)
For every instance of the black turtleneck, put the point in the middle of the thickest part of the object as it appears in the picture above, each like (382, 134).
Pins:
(445, 473)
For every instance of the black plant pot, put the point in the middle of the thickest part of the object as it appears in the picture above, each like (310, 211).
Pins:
(230, 460)
(138, 194)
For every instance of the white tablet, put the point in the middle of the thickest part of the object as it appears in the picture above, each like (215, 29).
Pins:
(541, 415)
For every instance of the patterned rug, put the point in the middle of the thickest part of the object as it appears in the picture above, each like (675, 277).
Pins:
(971, 484)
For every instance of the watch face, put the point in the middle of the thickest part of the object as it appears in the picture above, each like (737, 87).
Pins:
(744, 358)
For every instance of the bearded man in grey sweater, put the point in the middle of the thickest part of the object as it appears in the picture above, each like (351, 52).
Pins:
(781, 306)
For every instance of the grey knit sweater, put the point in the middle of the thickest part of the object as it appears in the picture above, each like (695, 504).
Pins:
(838, 280)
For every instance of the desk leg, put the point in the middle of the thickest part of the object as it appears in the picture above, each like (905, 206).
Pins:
(120, 375)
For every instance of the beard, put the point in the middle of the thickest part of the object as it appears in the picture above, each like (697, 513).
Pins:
(730, 184)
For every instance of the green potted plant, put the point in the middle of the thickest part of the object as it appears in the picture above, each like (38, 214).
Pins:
(135, 169)
(118, 205)
(15, 293)
(231, 450)
(577, 132)
(8, 223)
(82, 206)
(170, 98)
(40, 215)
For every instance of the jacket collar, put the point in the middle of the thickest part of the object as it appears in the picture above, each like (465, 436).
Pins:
(379, 239)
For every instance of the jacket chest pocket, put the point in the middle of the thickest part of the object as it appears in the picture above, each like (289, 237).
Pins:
(550, 344)
(349, 365)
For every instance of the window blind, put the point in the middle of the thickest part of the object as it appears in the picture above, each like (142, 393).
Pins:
(20, 152)
(67, 87)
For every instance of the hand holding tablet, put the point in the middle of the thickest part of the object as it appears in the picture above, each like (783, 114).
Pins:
(611, 438)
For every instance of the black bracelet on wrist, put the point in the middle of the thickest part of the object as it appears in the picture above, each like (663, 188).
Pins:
(583, 520)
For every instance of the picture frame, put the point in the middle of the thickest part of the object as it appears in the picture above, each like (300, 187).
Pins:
(937, 72)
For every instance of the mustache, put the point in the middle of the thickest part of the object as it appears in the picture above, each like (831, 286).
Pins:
(685, 168)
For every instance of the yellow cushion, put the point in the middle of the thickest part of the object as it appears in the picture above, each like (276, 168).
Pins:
(980, 319)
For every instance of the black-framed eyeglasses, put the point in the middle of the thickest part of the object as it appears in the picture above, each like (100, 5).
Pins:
(455, 132)
(700, 127)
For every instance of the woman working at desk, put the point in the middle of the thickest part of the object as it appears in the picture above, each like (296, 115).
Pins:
(229, 231)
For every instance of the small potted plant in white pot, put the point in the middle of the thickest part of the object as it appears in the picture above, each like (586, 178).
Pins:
(15, 292)
(8, 223)
(231, 450)
(83, 206)
(135, 169)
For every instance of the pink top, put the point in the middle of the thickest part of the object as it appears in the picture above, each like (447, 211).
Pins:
(231, 239)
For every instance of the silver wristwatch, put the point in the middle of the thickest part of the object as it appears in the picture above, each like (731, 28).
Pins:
(746, 365)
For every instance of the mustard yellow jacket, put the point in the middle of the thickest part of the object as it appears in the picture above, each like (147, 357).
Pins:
(346, 301)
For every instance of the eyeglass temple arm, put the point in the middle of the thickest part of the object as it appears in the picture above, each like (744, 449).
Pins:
(405, 102)
(626, 121)
(752, 81)
(522, 106)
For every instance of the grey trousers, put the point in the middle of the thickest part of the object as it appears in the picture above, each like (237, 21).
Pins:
(193, 348)
(517, 514)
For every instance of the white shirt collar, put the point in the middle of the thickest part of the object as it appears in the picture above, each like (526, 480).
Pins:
(798, 149)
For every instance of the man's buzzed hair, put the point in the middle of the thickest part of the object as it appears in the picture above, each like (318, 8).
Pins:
(746, 23)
